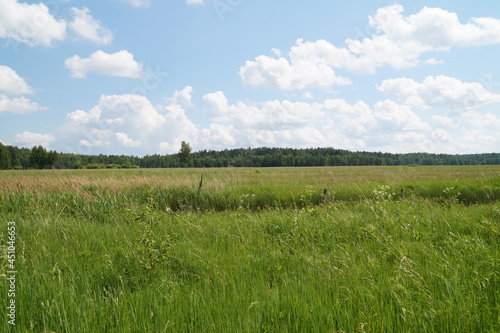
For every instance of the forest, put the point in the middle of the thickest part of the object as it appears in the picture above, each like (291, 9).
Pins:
(37, 157)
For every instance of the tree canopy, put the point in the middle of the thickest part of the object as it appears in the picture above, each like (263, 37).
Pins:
(5, 161)
(38, 157)
(185, 157)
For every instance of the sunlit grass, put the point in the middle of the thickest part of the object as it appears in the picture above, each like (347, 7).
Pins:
(256, 250)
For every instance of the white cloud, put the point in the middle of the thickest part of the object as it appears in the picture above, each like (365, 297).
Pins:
(131, 124)
(479, 120)
(177, 128)
(466, 132)
(334, 122)
(121, 64)
(276, 52)
(298, 73)
(433, 61)
(182, 97)
(440, 135)
(125, 141)
(31, 24)
(138, 3)
(96, 138)
(129, 121)
(217, 136)
(440, 91)
(89, 28)
(267, 115)
(18, 105)
(134, 111)
(82, 117)
(11, 83)
(435, 28)
(398, 42)
(392, 116)
(352, 120)
(444, 122)
(195, 2)
(29, 139)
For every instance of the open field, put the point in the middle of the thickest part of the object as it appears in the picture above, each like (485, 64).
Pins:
(338, 249)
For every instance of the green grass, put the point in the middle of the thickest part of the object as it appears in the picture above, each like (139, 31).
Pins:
(257, 250)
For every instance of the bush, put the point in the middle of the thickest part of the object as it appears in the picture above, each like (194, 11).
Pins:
(95, 166)
(113, 166)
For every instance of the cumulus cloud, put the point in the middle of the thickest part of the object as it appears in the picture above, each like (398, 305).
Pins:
(444, 122)
(29, 139)
(129, 121)
(398, 41)
(479, 120)
(120, 64)
(466, 132)
(115, 121)
(12, 84)
(85, 26)
(18, 105)
(385, 126)
(391, 116)
(182, 97)
(131, 124)
(125, 141)
(435, 28)
(177, 127)
(134, 110)
(440, 135)
(334, 122)
(195, 2)
(217, 136)
(266, 115)
(31, 24)
(440, 91)
(298, 73)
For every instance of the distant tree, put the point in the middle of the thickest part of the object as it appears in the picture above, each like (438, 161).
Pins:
(40, 158)
(4, 157)
(51, 159)
(185, 157)
(126, 165)
(37, 157)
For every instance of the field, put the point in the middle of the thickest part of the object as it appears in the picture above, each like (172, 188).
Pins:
(337, 249)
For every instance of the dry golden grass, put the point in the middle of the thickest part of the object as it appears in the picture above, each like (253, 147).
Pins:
(479, 183)
(78, 184)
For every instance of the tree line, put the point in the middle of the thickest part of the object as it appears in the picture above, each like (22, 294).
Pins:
(12, 157)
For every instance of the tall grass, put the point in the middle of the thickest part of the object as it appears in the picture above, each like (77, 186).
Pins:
(98, 254)
(89, 191)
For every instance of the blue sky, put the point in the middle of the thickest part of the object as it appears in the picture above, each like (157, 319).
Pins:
(138, 77)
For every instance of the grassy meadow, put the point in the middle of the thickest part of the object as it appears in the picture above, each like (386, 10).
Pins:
(333, 249)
